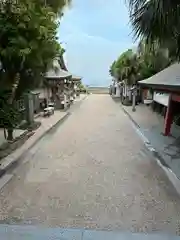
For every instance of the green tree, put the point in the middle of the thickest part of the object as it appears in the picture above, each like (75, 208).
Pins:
(81, 87)
(9, 115)
(152, 59)
(146, 61)
(126, 67)
(28, 45)
(112, 69)
(57, 6)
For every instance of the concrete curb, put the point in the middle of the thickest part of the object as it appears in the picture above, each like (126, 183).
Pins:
(155, 154)
(15, 162)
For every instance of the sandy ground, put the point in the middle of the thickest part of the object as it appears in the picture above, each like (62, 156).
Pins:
(92, 172)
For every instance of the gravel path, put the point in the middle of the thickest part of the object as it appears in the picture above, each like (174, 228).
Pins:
(93, 172)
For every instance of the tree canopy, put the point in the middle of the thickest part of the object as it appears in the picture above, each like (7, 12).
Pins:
(28, 44)
(56, 5)
(132, 66)
(27, 41)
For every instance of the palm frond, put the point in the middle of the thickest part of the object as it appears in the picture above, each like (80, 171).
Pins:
(155, 19)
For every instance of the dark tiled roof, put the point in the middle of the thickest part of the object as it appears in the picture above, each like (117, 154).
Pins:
(57, 74)
(169, 77)
(76, 78)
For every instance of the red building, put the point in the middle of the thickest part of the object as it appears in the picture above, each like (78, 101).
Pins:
(167, 81)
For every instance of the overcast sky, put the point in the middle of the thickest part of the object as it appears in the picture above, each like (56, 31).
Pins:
(94, 33)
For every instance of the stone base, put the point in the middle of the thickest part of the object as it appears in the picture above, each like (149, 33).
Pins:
(126, 102)
(8, 147)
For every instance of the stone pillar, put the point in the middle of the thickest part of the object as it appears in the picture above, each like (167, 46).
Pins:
(48, 94)
(134, 94)
(75, 90)
(134, 102)
(117, 91)
(129, 93)
(65, 101)
(29, 105)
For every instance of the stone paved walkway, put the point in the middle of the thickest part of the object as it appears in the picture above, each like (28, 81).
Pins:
(93, 172)
(151, 125)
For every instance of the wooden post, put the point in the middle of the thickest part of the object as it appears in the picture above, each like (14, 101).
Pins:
(168, 117)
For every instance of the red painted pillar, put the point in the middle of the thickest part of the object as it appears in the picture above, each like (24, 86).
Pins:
(168, 117)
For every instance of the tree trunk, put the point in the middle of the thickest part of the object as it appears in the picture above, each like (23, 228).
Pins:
(10, 101)
(5, 135)
(10, 134)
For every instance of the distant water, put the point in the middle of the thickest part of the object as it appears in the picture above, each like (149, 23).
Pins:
(97, 84)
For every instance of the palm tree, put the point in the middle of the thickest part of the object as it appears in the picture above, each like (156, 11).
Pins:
(154, 57)
(156, 20)
(112, 69)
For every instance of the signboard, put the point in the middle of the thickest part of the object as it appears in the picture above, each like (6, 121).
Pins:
(147, 101)
(162, 98)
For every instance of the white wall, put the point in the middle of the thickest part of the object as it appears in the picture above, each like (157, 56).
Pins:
(162, 98)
